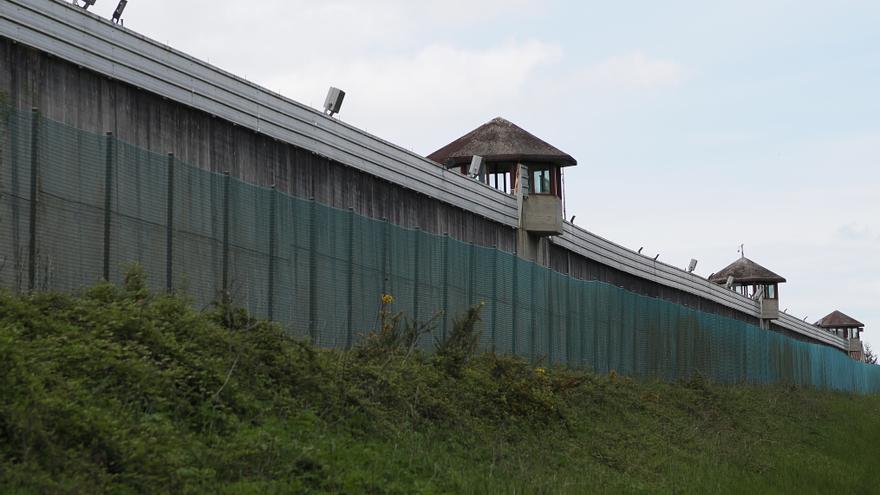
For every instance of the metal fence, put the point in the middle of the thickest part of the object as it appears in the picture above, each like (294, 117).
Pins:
(76, 207)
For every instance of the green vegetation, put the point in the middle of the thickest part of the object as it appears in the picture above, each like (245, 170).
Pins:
(123, 391)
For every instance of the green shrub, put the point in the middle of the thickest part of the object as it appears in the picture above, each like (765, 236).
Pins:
(118, 390)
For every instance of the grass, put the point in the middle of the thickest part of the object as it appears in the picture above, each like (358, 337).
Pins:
(122, 391)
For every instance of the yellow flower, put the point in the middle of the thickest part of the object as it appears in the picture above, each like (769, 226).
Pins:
(387, 298)
(541, 371)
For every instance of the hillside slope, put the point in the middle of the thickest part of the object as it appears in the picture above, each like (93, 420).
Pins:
(121, 391)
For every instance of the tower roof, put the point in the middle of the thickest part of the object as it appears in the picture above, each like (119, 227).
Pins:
(501, 140)
(839, 320)
(746, 271)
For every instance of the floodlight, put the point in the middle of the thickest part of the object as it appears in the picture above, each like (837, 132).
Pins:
(476, 168)
(117, 14)
(729, 282)
(333, 102)
(759, 294)
(692, 266)
(86, 3)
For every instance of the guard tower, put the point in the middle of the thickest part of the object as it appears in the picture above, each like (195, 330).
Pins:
(754, 281)
(847, 328)
(516, 162)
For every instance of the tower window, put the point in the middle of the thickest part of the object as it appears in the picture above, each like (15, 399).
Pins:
(541, 182)
(545, 180)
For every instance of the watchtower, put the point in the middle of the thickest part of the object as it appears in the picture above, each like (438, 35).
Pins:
(847, 328)
(754, 281)
(516, 162)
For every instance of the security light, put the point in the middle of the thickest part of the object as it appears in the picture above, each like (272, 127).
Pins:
(476, 168)
(729, 282)
(759, 294)
(333, 102)
(117, 14)
(86, 3)
(692, 266)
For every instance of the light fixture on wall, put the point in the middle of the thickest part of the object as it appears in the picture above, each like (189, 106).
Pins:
(86, 3)
(117, 14)
(333, 102)
(477, 168)
(692, 266)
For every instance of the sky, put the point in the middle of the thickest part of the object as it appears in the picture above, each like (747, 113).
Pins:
(697, 126)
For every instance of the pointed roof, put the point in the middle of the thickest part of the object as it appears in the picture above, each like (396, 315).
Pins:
(746, 271)
(839, 320)
(500, 140)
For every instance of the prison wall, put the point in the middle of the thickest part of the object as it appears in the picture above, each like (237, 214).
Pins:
(96, 77)
(94, 103)
(78, 206)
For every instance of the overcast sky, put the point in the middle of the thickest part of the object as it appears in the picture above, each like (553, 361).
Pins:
(696, 126)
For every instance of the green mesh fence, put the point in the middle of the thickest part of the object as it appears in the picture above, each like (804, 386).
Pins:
(76, 208)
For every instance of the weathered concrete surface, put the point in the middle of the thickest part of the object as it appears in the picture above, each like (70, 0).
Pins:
(94, 103)
(90, 102)
(542, 214)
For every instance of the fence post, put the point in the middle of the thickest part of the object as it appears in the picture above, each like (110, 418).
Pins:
(32, 221)
(514, 303)
(169, 226)
(472, 254)
(349, 317)
(551, 319)
(417, 234)
(108, 201)
(14, 131)
(313, 268)
(532, 336)
(273, 199)
(445, 284)
(385, 233)
(569, 318)
(224, 282)
(494, 296)
(583, 323)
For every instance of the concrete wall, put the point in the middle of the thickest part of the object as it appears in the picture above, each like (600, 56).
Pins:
(90, 102)
(542, 214)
